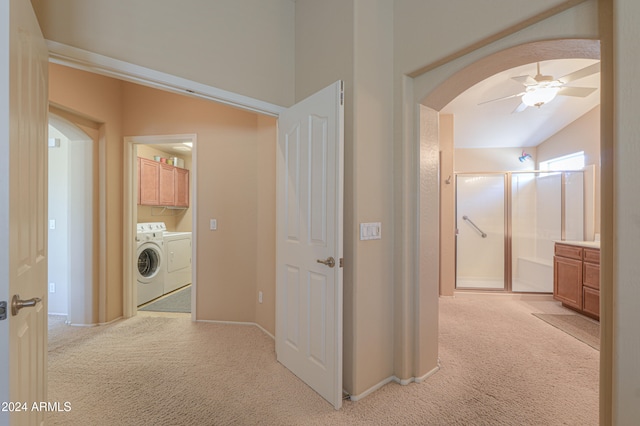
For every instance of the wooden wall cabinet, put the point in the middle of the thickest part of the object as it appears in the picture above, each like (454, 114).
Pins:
(149, 182)
(576, 278)
(181, 187)
(161, 184)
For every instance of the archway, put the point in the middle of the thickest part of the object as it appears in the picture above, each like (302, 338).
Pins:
(73, 273)
(426, 146)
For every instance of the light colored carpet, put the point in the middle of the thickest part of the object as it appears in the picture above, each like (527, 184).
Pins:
(178, 301)
(499, 366)
(583, 329)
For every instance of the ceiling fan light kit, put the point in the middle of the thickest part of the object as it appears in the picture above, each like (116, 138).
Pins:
(542, 89)
(538, 96)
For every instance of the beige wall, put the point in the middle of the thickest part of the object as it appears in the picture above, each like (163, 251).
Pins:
(245, 47)
(493, 159)
(175, 220)
(420, 26)
(235, 180)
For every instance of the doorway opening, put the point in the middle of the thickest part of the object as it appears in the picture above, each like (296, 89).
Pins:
(72, 210)
(162, 200)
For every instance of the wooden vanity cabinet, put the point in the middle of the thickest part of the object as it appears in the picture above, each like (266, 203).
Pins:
(591, 282)
(576, 278)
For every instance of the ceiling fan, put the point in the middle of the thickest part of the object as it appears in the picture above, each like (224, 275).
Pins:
(542, 89)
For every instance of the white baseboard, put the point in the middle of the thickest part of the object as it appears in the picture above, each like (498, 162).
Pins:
(429, 374)
(402, 382)
(239, 323)
(372, 389)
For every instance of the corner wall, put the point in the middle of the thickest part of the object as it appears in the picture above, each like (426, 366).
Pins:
(358, 50)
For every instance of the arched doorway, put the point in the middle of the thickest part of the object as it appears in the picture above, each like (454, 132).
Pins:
(73, 271)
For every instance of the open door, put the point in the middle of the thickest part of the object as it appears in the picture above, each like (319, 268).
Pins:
(23, 210)
(309, 194)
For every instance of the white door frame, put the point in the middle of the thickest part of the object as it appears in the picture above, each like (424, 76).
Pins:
(130, 298)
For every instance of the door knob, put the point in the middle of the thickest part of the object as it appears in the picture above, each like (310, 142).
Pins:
(17, 304)
(329, 261)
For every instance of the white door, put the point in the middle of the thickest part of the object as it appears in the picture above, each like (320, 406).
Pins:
(309, 194)
(23, 209)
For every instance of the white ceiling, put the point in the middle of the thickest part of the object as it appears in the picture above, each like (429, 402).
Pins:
(493, 125)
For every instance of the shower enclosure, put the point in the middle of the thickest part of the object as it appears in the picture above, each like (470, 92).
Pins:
(507, 224)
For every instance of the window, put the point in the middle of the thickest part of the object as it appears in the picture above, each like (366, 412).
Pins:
(573, 161)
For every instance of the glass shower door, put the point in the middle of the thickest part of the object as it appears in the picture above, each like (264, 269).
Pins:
(480, 239)
(545, 207)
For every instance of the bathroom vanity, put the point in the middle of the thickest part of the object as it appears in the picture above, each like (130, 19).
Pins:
(576, 276)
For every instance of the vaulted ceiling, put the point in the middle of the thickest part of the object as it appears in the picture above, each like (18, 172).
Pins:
(495, 125)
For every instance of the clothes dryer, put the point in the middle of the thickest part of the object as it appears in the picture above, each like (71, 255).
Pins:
(177, 250)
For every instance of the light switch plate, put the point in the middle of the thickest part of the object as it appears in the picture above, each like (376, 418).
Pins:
(213, 224)
(371, 231)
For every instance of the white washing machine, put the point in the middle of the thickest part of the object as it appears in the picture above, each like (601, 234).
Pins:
(177, 251)
(150, 261)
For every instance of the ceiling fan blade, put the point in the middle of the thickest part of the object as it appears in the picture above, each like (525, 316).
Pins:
(582, 73)
(502, 98)
(580, 92)
(527, 80)
(520, 108)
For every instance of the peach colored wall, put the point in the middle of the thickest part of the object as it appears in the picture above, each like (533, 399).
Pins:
(99, 99)
(235, 179)
(235, 183)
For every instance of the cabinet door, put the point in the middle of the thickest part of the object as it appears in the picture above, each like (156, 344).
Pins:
(149, 180)
(567, 281)
(167, 185)
(591, 301)
(138, 168)
(182, 187)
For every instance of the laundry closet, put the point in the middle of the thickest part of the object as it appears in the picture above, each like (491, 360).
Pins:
(164, 231)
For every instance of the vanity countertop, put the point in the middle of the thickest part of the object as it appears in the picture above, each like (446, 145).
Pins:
(589, 244)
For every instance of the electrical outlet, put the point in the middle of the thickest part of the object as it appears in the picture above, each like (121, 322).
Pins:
(259, 297)
(52, 287)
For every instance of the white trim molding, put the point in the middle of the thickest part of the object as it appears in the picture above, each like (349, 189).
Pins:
(402, 382)
(73, 57)
(255, 324)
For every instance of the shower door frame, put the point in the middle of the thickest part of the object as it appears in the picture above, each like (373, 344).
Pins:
(508, 221)
(506, 287)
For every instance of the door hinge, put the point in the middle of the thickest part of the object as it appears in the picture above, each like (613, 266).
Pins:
(3, 310)
(341, 262)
